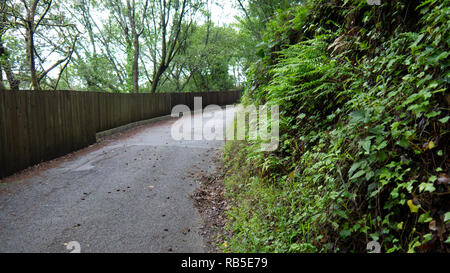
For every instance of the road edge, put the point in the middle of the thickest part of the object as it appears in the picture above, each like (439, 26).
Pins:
(128, 126)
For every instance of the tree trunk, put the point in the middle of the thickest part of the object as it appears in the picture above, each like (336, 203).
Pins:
(132, 19)
(136, 64)
(30, 54)
(157, 77)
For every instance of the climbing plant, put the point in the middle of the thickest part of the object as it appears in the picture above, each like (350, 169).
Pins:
(363, 92)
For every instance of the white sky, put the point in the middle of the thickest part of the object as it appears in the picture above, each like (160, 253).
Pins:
(223, 12)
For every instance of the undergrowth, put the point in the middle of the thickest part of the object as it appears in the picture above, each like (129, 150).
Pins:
(363, 95)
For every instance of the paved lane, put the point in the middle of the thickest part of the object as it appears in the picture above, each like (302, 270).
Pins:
(130, 195)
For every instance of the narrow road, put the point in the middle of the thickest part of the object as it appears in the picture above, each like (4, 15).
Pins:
(131, 194)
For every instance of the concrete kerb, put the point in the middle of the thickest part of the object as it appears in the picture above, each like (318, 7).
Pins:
(128, 126)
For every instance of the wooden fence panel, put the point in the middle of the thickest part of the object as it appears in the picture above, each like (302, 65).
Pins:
(3, 145)
(34, 122)
(7, 133)
(41, 125)
(22, 137)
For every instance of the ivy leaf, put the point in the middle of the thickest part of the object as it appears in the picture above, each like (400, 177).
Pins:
(433, 114)
(444, 120)
(403, 143)
(369, 175)
(345, 233)
(354, 167)
(365, 144)
(425, 218)
(447, 217)
(301, 116)
(429, 187)
(357, 116)
(358, 174)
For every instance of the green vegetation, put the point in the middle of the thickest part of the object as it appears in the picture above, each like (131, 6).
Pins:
(205, 62)
(363, 95)
(123, 46)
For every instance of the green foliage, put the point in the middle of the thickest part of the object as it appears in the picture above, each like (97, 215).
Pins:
(364, 133)
(14, 56)
(205, 62)
(92, 70)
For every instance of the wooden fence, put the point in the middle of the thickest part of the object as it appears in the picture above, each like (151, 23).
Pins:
(36, 126)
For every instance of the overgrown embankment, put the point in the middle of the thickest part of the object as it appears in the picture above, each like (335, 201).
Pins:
(363, 95)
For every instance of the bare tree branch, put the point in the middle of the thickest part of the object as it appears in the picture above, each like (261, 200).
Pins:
(69, 55)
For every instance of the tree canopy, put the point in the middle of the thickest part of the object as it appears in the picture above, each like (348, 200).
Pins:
(118, 46)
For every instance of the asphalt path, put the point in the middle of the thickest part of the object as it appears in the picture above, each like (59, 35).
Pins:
(131, 194)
